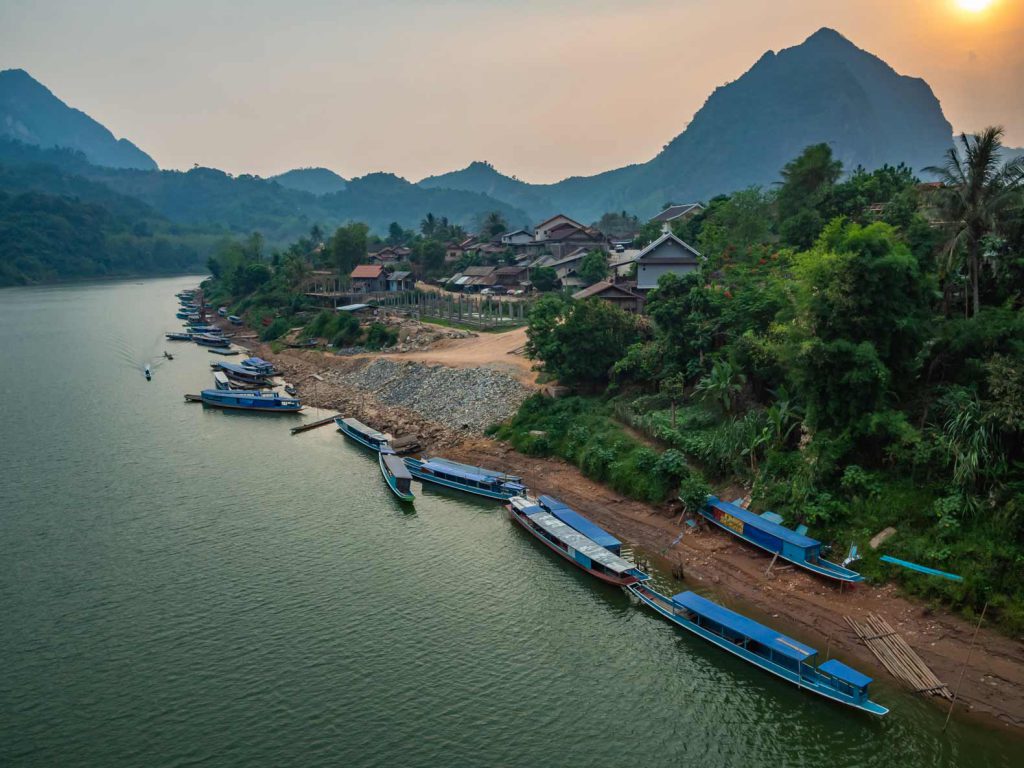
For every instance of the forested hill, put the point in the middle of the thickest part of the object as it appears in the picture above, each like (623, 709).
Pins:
(824, 90)
(317, 181)
(30, 113)
(214, 200)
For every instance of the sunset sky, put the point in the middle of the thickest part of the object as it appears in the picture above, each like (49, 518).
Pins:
(541, 88)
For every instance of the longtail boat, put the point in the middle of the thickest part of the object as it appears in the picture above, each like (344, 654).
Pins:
(464, 477)
(173, 336)
(266, 402)
(575, 520)
(567, 541)
(396, 474)
(206, 340)
(762, 532)
(362, 434)
(763, 647)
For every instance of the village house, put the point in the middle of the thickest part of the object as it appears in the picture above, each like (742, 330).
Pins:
(543, 230)
(618, 293)
(390, 254)
(369, 278)
(666, 255)
(400, 281)
(677, 213)
(519, 237)
(566, 267)
(511, 277)
(472, 279)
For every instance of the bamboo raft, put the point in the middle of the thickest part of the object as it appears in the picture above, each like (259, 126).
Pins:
(897, 656)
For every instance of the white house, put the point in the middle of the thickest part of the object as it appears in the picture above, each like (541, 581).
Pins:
(519, 237)
(542, 230)
(666, 255)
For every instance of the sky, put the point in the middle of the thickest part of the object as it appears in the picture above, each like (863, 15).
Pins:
(543, 89)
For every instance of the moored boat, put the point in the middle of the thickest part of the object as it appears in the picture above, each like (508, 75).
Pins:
(220, 381)
(261, 366)
(763, 647)
(762, 532)
(207, 340)
(575, 520)
(223, 311)
(223, 351)
(241, 373)
(235, 319)
(396, 474)
(173, 336)
(265, 402)
(465, 477)
(362, 434)
(572, 545)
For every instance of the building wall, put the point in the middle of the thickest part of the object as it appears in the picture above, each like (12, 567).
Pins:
(647, 274)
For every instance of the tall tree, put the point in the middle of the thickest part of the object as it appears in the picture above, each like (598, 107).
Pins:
(493, 225)
(429, 225)
(977, 192)
(593, 268)
(348, 247)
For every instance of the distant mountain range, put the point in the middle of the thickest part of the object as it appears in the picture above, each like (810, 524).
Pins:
(29, 113)
(823, 90)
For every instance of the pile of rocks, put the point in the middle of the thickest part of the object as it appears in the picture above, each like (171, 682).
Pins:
(415, 336)
(467, 399)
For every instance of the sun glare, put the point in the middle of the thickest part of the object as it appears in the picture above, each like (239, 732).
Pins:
(973, 6)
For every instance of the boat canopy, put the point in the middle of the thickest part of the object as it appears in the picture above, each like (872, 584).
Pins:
(479, 474)
(257, 362)
(766, 636)
(577, 540)
(240, 370)
(571, 517)
(748, 517)
(362, 429)
(840, 671)
(396, 466)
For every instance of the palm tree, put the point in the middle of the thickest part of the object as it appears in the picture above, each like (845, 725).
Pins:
(428, 225)
(977, 192)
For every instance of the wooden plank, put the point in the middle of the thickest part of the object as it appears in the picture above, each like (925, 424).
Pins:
(312, 425)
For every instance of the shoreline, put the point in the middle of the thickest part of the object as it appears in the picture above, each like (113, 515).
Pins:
(992, 691)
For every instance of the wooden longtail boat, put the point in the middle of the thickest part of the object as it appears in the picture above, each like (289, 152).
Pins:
(265, 402)
(763, 647)
(464, 477)
(362, 434)
(790, 545)
(396, 474)
(567, 541)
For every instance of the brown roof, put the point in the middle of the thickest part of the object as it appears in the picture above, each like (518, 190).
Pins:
(367, 271)
(556, 216)
(605, 286)
(675, 211)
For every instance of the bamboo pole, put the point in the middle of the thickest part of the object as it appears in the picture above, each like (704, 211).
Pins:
(963, 669)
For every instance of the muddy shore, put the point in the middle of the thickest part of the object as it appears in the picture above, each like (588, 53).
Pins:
(993, 684)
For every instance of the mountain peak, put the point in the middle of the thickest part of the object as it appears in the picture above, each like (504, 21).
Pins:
(316, 181)
(828, 36)
(32, 114)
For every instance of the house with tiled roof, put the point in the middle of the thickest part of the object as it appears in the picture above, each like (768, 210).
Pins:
(618, 293)
(369, 278)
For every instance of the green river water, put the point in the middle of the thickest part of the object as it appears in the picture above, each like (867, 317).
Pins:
(182, 586)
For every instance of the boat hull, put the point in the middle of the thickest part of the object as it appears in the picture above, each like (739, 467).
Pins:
(350, 433)
(653, 599)
(840, 574)
(607, 579)
(215, 402)
(426, 478)
(392, 484)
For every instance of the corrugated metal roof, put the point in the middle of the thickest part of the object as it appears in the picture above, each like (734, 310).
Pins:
(766, 636)
(571, 517)
(367, 271)
(578, 541)
(370, 432)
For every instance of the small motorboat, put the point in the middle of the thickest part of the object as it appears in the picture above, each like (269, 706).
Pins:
(289, 389)
(168, 355)
(148, 372)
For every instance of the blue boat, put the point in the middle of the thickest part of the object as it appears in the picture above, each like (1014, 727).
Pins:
(240, 373)
(261, 366)
(208, 340)
(763, 647)
(182, 314)
(221, 381)
(213, 330)
(266, 402)
(396, 474)
(235, 319)
(223, 311)
(362, 434)
(465, 477)
(222, 351)
(790, 545)
(565, 540)
(575, 520)
(179, 336)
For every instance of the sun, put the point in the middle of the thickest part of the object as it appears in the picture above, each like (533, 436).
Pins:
(973, 6)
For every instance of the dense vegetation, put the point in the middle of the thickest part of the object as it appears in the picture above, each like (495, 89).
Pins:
(852, 352)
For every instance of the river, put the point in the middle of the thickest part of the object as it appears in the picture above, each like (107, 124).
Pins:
(182, 586)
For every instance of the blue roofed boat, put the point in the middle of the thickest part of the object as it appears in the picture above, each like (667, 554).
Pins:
(465, 477)
(567, 541)
(763, 647)
(762, 532)
(240, 373)
(235, 319)
(222, 311)
(179, 336)
(362, 434)
(265, 402)
(396, 474)
(208, 340)
(222, 351)
(260, 365)
(574, 519)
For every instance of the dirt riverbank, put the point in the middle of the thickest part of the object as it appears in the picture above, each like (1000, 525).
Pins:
(992, 687)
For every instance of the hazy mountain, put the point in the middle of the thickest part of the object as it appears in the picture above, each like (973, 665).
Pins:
(316, 181)
(30, 113)
(823, 90)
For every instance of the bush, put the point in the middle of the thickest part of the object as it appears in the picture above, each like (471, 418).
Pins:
(276, 329)
(380, 336)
